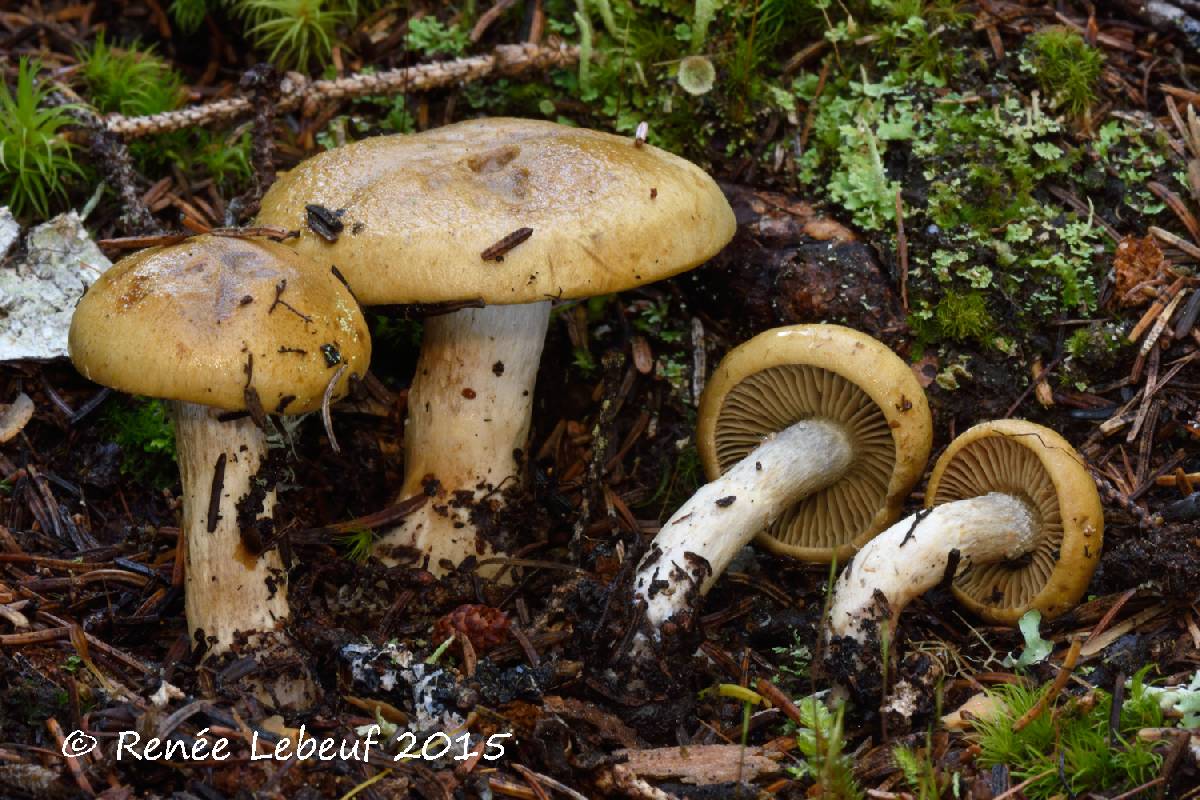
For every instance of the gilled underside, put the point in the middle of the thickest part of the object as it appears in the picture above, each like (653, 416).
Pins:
(771, 400)
(999, 464)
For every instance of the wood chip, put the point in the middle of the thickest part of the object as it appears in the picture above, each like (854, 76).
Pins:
(701, 765)
(497, 251)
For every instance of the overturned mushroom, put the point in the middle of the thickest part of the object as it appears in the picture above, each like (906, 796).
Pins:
(223, 326)
(812, 436)
(512, 213)
(1013, 518)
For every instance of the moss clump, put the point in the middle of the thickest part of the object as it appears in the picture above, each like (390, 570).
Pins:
(1065, 67)
(133, 80)
(36, 162)
(146, 437)
(1069, 747)
(964, 317)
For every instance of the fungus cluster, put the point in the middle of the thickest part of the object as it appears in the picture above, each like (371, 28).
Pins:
(229, 330)
(509, 214)
(812, 436)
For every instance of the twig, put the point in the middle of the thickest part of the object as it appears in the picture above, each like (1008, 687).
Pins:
(325, 400)
(1060, 681)
(902, 251)
(504, 60)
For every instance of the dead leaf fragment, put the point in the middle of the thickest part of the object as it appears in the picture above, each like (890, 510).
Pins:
(15, 416)
(1137, 260)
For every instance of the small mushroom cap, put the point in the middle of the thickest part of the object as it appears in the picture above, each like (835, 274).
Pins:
(183, 322)
(418, 211)
(1038, 465)
(799, 372)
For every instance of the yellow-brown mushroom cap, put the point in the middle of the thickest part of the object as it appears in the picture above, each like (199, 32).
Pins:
(800, 372)
(418, 211)
(1035, 463)
(202, 320)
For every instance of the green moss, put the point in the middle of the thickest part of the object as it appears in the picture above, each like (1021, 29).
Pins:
(133, 80)
(143, 430)
(964, 317)
(1065, 67)
(1071, 740)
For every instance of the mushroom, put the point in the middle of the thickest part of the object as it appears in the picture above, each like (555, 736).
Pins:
(508, 212)
(812, 436)
(1012, 515)
(222, 326)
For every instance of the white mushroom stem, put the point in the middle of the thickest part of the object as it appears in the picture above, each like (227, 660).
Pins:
(912, 556)
(469, 411)
(228, 589)
(723, 516)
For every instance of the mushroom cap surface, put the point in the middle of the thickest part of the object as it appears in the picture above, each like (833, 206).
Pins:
(789, 374)
(418, 211)
(1038, 465)
(183, 322)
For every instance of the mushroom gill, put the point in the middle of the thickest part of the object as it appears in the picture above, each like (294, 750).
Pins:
(777, 397)
(1000, 464)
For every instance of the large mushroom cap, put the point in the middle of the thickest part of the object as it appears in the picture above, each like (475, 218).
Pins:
(418, 211)
(800, 372)
(185, 322)
(1036, 464)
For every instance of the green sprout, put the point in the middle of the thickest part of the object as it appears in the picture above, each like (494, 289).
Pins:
(821, 740)
(189, 14)
(357, 543)
(36, 163)
(296, 32)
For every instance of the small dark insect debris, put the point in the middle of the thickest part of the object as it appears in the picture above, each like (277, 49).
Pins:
(284, 402)
(498, 368)
(952, 561)
(653, 192)
(431, 486)
(497, 251)
(214, 499)
(357, 228)
(255, 407)
(337, 273)
(917, 519)
(295, 350)
(279, 301)
(758, 466)
(469, 393)
(332, 356)
(323, 222)
(247, 300)
(726, 502)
